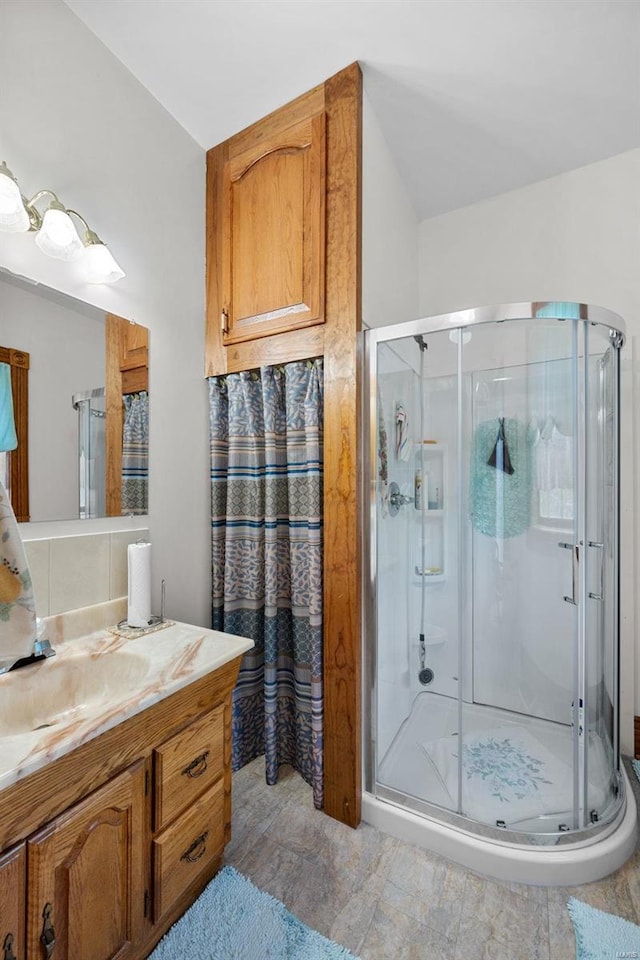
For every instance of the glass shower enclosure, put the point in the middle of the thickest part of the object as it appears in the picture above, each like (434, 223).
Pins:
(92, 414)
(492, 634)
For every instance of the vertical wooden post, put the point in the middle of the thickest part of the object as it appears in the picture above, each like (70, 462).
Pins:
(114, 333)
(342, 453)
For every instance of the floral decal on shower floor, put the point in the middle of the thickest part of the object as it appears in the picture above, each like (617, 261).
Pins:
(509, 772)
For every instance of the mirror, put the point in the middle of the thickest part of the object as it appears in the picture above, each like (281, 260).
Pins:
(79, 380)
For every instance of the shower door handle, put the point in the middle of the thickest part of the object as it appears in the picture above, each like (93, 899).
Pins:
(575, 559)
(598, 596)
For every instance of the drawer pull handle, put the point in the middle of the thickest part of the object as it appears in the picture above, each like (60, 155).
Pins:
(197, 767)
(7, 947)
(190, 855)
(48, 935)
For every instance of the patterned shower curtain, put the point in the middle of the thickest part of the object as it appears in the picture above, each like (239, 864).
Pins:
(266, 506)
(135, 454)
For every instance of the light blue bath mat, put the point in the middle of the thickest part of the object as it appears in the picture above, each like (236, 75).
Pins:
(602, 936)
(233, 920)
(636, 766)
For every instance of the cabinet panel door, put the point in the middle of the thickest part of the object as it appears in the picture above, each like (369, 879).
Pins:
(273, 224)
(13, 879)
(86, 875)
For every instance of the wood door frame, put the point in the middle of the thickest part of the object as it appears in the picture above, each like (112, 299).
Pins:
(19, 361)
(338, 341)
(124, 373)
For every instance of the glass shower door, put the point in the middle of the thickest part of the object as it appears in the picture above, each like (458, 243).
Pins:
(417, 588)
(91, 452)
(600, 575)
(520, 750)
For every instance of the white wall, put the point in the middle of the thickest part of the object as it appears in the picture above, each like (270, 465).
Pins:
(572, 237)
(72, 118)
(389, 233)
(66, 356)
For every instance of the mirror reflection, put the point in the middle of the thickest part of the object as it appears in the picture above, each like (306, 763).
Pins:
(80, 391)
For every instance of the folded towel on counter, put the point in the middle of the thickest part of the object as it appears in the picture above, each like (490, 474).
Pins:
(8, 438)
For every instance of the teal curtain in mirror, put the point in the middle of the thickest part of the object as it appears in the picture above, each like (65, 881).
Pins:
(266, 504)
(135, 454)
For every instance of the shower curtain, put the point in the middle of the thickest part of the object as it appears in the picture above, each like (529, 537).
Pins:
(135, 454)
(266, 506)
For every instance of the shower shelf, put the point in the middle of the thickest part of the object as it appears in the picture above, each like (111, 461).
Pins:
(430, 577)
(433, 460)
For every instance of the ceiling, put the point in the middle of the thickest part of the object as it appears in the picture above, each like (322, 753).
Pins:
(475, 97)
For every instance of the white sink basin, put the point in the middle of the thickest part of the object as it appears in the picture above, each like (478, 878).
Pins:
(94, 683)
(53, 692)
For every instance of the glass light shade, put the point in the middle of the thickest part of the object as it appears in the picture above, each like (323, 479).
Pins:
(100, 266)
(13, 216)
(57, 237)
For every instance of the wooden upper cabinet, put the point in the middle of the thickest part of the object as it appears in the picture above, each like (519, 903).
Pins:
(273, 224)
(266, 239)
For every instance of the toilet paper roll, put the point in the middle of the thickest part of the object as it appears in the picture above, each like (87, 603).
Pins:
(139, 607)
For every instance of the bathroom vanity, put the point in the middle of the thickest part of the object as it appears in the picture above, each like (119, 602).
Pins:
(115, 790)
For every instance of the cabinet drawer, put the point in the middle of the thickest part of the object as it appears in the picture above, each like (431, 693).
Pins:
(187, 765)
(185, 849)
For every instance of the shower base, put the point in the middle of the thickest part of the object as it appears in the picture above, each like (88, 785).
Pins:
(517, 770)
(417, 789)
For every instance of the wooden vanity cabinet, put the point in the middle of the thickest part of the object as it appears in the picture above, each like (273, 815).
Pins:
(122, 833)
(13, 876)
(189, 803)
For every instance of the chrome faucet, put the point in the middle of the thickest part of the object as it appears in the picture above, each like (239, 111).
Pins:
(41, 649)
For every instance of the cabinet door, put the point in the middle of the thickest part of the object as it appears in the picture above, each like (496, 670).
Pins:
(13, 878)
(86, 876)
(273, 228)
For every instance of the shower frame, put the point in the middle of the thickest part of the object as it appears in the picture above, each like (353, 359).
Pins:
(583, 835)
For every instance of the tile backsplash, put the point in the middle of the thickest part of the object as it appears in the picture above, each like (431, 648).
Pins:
(79, 571)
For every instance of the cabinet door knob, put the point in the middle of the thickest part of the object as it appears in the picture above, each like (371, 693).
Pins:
(198, 766)
(48, 935)
(7, 948)
(200, 845)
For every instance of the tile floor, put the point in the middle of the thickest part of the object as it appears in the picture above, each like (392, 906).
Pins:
(387, 900)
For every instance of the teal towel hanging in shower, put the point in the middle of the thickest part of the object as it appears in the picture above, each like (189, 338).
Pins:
(499, 502)
(8, 438)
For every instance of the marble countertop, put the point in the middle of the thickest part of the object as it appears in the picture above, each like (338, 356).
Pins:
(49, 708)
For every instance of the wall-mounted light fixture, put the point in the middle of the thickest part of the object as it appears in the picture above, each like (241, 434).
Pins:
(56, 234)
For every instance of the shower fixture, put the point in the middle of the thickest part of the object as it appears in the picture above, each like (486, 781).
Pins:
(396, 499)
